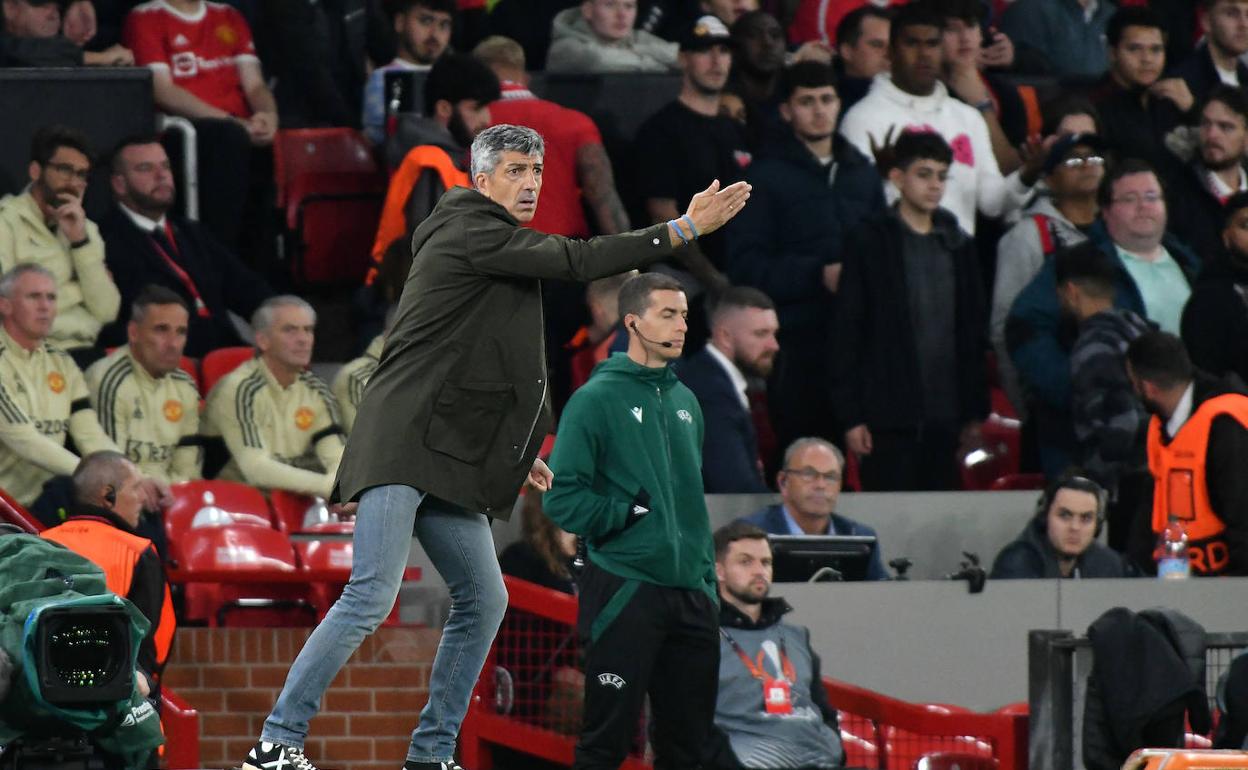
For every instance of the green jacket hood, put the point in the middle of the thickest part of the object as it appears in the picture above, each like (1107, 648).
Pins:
(620, 365)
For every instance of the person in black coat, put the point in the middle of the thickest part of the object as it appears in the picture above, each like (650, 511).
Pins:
(1215, 320)
(909, 382)
(1224, 43)
(145, 244)
(1060, 540)
(809, 191)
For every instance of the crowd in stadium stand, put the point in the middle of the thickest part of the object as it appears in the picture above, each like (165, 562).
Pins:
(959, 207)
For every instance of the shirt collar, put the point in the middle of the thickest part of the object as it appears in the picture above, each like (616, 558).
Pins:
(795, 528)
(140, 221)
(12, 346)
(1182, 412)
(1221, 189)
(734, 374)
(1089, 11)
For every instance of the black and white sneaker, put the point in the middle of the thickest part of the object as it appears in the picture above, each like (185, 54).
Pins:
(274, 756)
(452, 765)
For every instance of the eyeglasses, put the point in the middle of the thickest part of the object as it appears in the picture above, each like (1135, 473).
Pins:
(1091, 160)
(64, 169)
(1134, 199)
(809, 475)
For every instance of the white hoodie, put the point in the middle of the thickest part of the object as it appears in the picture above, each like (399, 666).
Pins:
(975, 180)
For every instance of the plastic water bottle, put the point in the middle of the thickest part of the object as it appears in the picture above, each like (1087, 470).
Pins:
(1173, 561)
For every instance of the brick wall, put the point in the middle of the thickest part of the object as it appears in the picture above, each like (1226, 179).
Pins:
(232, 676)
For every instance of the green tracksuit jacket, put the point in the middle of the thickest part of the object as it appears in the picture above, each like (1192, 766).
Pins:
(635, 431)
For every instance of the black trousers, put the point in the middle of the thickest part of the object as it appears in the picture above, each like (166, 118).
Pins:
(662, 642)
(911, 461)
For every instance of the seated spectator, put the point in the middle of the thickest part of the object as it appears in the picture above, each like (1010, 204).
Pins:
(913, 97)
(861, 52)
(771, 709)
(577, 176)
(204, 68)
(1154, 274)
(686, 143)
(1065, 39)
(810, 485)
(45, 225)
(422, 31)
(597, 340)
(108, 500)
(758, 59)
(909, 376)
(31, 37)
(743, 344)
(316, 56)
(544, 552)
(1138, 107)
(1215, 320)
(1107, 419)
(1072, 175)
(809, 190)
(598, 37)
(351, 379)
(1197, 450)
(149, 243)
(1217, 60)
(1196, 192)
(1069, 114)
(821, 19)
(431, 152)
(1060, 540)
(146, 404)
(670, 18)
(280, 422)
(967, 54)
(43, 396)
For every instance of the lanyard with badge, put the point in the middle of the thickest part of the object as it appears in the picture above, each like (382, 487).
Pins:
(777, 692)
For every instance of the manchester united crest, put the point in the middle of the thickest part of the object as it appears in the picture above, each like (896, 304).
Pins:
(172, 410)
(303, 418)
(56, 381)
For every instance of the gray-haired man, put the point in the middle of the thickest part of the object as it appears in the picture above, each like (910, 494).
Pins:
(450, 425)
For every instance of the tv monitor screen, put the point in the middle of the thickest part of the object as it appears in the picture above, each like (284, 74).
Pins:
(799, 558)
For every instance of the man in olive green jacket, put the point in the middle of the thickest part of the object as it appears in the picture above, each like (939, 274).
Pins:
(450, 426)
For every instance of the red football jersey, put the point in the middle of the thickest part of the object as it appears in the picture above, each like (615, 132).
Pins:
(565, 131)
(201, 51)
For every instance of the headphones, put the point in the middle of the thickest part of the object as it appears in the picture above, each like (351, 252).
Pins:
(110, 495)
(1073, 479)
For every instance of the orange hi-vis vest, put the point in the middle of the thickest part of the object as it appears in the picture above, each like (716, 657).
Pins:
(1180, 489)
(393, 223)
(116, 552)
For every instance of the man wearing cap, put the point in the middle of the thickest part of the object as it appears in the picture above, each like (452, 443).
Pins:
(684, 144)
(1072, 172)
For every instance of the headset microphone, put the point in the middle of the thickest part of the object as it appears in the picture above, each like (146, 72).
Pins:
(647, 339)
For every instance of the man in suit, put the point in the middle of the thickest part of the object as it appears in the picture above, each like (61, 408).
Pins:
(742, 345)
(148, 245)
(810, 484)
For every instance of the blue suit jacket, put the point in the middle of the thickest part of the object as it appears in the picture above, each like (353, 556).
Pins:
(730, 446)
(771, 520)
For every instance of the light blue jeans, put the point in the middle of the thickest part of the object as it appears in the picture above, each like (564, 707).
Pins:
(462, 550)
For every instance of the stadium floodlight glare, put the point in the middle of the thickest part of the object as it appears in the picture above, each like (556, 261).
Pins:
(83, 655)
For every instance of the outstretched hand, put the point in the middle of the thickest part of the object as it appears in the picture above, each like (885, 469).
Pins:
(712, 208)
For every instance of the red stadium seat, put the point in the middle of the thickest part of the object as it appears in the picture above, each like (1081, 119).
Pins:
(180, 722)
(12, 512)
(201, 504)
(1022, 707)
(1012, 481)
(242, 576)
(331, 190)
(221, 362)
(191, 367)
(953, 760)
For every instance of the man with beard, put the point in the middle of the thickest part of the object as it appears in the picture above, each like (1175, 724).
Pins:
(150, 244)
(1197, 192)
(814, 187)
(742, 345)
(1216, 62)
(433, 149)
(810, 486)
(45, 225)
(1215, 321)
(1153, 274)
(1197, 453)
(422, 31)
(684, 144)
(771, 709)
